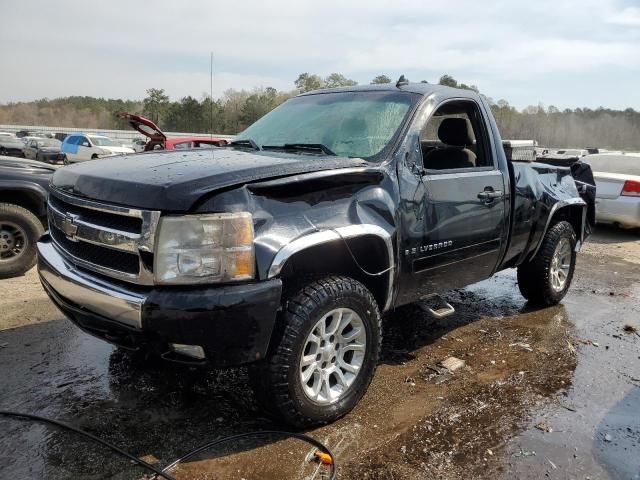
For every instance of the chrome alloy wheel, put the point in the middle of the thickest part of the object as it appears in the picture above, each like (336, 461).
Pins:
(560, 265)
(12, 241)
(333, 356)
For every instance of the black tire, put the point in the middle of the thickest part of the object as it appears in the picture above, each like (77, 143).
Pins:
(94, 156)
(21, 229)
(535, 277)
(277, 381)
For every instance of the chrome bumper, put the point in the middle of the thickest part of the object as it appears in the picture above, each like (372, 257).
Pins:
(86, 291)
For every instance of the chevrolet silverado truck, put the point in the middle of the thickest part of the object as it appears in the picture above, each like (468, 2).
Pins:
(23, 212)
(284, 248)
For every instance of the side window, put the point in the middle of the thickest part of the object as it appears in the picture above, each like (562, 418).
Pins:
(84, 142)
(455, 138)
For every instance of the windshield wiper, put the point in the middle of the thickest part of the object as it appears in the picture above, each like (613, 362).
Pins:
(302, 147)
(246, 142)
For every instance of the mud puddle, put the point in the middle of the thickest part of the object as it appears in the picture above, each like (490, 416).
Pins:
(522, 368)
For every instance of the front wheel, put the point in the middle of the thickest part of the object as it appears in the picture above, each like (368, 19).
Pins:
(19, 231)
(323, 353)
(546, 279)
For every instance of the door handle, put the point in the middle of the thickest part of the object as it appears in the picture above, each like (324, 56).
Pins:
(488, 195)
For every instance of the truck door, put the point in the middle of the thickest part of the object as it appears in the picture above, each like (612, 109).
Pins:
(460, 211)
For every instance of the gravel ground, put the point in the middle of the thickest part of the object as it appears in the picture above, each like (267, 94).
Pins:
(552, 392)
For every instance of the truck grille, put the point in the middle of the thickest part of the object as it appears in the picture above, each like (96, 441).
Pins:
(107, 239)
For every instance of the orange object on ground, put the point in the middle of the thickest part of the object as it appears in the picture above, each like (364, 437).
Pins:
(324, 458)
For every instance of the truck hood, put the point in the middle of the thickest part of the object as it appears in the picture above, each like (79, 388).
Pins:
(144, 126)
(174, 180)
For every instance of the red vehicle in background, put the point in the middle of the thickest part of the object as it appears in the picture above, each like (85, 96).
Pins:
(159, 141)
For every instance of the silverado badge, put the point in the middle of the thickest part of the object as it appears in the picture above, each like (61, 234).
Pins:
(428, 248)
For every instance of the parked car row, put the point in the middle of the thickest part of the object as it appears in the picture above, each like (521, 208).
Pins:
(158, 140)
(79, 147)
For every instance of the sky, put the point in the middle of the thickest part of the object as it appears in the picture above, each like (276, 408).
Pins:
(573, 53)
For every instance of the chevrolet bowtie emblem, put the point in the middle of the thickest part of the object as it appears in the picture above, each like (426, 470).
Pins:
(69, 227)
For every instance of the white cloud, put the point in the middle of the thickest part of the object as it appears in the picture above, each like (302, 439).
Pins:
(121, 48)
(630, 16)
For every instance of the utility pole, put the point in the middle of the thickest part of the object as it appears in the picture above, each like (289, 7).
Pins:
(211, 98)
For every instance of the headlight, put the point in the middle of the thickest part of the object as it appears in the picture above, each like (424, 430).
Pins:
(204, 248)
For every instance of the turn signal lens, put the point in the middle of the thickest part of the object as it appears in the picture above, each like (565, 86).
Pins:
(631, 188)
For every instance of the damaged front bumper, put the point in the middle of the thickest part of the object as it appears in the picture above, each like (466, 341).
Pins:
(232, 324)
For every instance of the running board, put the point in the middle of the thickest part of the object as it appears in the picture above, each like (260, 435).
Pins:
(442, 307)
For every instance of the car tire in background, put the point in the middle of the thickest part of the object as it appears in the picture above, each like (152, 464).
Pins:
(546, 279)
(19, 231)
(323, 352)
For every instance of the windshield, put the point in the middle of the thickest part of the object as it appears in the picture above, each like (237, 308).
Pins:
(351, 124)
(103, 142)
(49, 142)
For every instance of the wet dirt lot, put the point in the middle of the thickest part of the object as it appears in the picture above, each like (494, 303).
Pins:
(552, 392)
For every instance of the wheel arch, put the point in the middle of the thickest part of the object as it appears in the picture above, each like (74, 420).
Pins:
(30, 196)
(574, 211)
(362, 252)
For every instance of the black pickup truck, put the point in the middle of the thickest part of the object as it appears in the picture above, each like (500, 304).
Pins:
(284, 248)
(23, 212)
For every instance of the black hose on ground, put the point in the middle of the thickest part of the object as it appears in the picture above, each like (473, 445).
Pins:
(163, 473)
(300, 436)
(66, 426)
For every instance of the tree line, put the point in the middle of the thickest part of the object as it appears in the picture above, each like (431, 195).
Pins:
(236, 109)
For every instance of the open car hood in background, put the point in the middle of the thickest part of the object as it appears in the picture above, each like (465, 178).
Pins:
(144, 126)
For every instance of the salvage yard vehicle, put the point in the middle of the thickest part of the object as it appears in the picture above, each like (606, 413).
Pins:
(23, 212)
(11, 146)
(79, 147)
(44, 150)
(618, 189)
(284, 248)
(158, 139)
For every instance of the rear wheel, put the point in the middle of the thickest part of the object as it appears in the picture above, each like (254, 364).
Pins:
(546, 279)
(19, 231)
(323, 353)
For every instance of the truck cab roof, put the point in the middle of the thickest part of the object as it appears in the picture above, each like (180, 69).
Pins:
(424, 89)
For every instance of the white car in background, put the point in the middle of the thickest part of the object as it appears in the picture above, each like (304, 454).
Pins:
(617, 188)
(79, 147)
